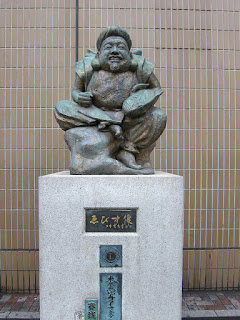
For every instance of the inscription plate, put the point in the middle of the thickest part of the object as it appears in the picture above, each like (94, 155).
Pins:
(92, 309)
(110, 256)
(111, 220)
(110, 296)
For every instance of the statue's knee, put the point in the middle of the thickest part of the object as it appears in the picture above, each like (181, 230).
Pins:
(163, 117)
(159, 115)
(60, 106)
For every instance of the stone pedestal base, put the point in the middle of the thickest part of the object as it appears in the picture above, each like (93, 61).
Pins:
(151, 257)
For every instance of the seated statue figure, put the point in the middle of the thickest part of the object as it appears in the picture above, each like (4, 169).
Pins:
(112, 125)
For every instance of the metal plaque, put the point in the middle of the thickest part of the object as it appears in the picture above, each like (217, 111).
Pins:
(110, 296)
(92, 309)
(110, 256)
(111, 220)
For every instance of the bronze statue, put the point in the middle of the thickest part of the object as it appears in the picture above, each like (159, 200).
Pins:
(112, 125)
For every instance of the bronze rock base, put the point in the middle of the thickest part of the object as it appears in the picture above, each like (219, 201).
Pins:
(94, 152)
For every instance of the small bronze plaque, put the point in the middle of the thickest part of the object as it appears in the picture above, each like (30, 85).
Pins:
(111, 220)
(92, 309)
(110, 256)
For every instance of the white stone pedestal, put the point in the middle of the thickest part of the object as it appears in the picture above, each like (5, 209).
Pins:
(152, 256)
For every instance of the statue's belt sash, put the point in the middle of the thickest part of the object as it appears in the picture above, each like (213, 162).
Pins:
(114, 117)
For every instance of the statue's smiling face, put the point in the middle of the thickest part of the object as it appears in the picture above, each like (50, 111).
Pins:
(114, 55)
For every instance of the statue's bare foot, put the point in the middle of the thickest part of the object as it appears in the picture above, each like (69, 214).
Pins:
(128, 159)
(103, 125)
(117, 131)
(130, 147)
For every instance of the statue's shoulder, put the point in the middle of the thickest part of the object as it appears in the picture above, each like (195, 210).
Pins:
(144, 67)
(84, 68)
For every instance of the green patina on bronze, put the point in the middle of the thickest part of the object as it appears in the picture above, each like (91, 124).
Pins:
(112, 125)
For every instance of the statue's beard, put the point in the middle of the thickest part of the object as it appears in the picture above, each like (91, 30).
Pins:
(115, 66)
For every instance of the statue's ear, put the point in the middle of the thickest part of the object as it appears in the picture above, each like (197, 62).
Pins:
(95, 63)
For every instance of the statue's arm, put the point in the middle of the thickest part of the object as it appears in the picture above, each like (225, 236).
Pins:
(78, 87)
(78, 93)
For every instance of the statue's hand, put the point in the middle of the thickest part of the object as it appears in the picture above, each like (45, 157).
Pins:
(85, 98)
(139, 86)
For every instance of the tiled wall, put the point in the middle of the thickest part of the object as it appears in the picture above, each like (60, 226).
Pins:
(196, 48)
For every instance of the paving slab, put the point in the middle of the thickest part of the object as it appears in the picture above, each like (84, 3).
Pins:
(5, 297)
(228, 313)
(234, 302)
(204, 303)
(6, 309)
(22, 299)
(229, 307)
(212, 296)
(3, 315)
(199, 314)
(23, 315)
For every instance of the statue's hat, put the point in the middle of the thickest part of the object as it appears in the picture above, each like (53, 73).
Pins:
(113, 31)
